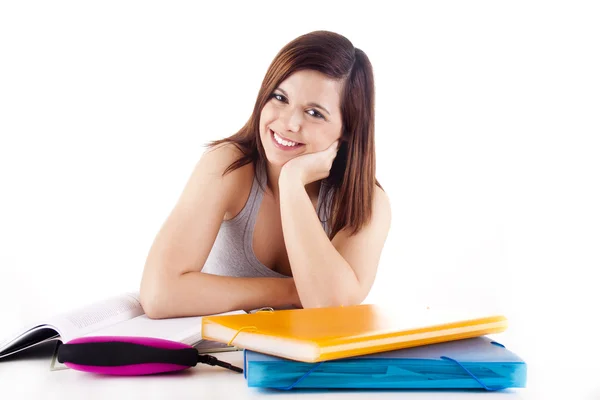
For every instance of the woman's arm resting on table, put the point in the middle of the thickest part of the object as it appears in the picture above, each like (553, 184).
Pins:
(172, 283)
(336, 272)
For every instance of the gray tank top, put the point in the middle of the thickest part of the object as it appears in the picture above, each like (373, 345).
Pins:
(232, 253)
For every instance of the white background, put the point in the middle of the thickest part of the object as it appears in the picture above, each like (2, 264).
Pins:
(487, 124)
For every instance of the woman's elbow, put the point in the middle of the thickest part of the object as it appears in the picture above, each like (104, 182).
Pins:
(151, 303)
(153, 298)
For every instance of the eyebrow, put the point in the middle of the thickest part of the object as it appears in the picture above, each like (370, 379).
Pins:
(309, 104)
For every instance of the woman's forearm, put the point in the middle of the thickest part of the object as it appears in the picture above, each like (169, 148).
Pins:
(322, 276)
(198, 293)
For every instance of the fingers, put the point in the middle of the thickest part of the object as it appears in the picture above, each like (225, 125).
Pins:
(333, 150)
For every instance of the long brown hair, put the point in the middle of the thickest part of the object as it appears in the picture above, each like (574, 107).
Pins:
(351, 181)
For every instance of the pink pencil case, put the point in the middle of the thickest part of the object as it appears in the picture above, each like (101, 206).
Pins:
(130, 355)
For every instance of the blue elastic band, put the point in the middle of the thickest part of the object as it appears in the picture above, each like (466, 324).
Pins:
(245, 377)
(301, 378)
(473, 376)
(488, 388)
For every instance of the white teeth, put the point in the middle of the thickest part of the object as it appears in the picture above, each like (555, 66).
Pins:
(283, 141)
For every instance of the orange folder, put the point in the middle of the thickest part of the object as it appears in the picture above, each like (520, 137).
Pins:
(319, 334)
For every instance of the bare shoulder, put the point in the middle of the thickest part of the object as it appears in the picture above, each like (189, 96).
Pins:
(215, 161)
(233, 186)
(382, 210)
(219, 157)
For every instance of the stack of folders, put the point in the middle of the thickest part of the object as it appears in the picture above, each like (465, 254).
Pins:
(370, 346)
(476, 363)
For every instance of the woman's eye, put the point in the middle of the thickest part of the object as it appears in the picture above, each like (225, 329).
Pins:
(315, 114)
(312, 112)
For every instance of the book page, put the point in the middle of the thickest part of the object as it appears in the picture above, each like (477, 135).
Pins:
(186, 330)
(97, 316)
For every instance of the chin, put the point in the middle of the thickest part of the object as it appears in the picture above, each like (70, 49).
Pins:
(276, 161)
(274, 157)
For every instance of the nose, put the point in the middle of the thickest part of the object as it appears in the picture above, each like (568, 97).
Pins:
(291, 120)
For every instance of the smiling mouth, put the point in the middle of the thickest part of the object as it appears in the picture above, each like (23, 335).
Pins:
(282, 143)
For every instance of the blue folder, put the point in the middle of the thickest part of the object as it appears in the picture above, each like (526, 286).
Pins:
(476, 363)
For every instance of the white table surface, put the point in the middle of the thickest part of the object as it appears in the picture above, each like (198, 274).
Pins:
(28, 375)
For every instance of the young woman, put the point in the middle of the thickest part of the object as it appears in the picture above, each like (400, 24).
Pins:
(287, 212)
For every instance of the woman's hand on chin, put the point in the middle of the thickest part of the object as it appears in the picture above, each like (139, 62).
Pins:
(310, 167)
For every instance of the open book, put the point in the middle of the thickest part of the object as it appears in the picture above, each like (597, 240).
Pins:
(117, 316)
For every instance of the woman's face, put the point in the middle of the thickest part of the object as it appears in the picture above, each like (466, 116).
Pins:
(302, 116)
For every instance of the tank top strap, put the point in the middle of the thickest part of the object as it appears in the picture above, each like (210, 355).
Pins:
(254, 200)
